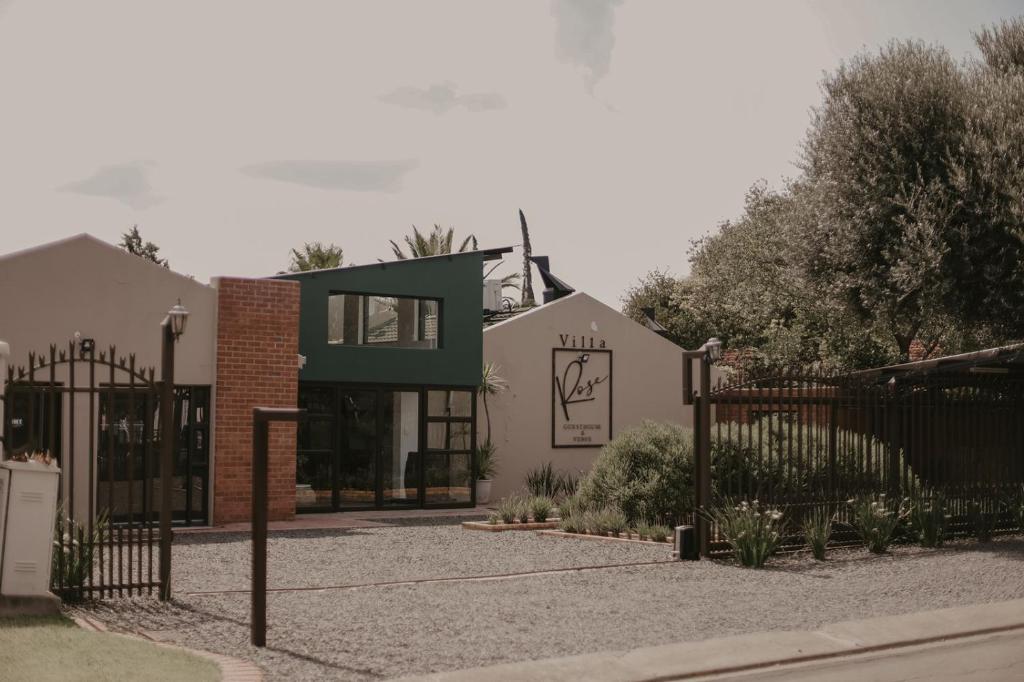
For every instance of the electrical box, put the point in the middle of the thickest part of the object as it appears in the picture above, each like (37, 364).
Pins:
(30, 510)
(492, 295)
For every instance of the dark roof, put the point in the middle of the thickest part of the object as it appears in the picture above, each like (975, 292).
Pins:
(1003, 358)
(488, 254)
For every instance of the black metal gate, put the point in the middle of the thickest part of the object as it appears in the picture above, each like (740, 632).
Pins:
(98, 415)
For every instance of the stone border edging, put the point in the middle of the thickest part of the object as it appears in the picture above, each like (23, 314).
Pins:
(231, 669)
(727, 655)
(498, 527)
(609, 538)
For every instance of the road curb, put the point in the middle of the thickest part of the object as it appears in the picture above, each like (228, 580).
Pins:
(694, 660)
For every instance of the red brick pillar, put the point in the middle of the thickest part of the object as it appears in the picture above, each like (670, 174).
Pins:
(257, 366)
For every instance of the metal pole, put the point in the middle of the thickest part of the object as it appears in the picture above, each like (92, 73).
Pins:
(259, 529)
(703, 454)
(167, 434)
(261, 418)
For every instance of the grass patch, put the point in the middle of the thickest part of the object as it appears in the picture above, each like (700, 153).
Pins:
(54, 648)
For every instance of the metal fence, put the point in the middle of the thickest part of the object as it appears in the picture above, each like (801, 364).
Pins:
(97, 414)
(809, 440)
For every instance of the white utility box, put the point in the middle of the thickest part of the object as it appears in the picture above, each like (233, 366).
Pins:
(30, 508)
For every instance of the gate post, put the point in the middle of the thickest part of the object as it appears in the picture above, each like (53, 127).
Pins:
(167, 434)
(172, 327)
(261, 418)
(706, 354)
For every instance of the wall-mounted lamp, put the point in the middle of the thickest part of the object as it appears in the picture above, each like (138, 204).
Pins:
(84, 345)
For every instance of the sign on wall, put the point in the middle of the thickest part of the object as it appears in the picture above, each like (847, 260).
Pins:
(581, 386)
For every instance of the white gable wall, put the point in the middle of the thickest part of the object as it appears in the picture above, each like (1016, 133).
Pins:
(646, 383)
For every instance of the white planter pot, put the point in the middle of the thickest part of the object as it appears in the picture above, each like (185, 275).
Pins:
(483, 491)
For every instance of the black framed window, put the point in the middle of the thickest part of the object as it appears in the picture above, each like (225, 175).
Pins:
(448, 464)
(383, 321)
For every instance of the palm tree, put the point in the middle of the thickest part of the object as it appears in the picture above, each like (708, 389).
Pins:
(491, 384)
(439, 242)
(316, 256)
(436, 243)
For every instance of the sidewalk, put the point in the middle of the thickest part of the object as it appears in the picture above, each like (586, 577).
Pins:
(689, 660)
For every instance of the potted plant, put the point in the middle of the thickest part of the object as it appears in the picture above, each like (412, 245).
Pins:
(491, 384)
(486, 467)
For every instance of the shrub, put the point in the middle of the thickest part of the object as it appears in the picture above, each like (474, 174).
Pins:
(523, 510)
(493, 518)
(615, 521)
(659, 533)
(817, 527)
(73, 548)
(643, 531)
(507, 509)
(928, 520)
(568, 484)
(981, 520)
(543, 481)
(540, 508)
(570, 524)
(646, 472)
(877, 520)
(754, 534)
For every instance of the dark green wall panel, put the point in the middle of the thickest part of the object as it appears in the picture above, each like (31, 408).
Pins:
(456, 281)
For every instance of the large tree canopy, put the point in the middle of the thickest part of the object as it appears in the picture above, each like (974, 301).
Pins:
(906, 224)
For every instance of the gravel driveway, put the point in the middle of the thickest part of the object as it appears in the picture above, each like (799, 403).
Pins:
(371, 633)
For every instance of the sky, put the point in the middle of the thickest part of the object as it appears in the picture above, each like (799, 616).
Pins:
(232, 131)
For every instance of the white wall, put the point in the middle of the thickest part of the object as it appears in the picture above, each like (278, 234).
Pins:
(646, 382)
(84, 285)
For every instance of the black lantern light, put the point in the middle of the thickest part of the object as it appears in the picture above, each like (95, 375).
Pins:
(178, 315)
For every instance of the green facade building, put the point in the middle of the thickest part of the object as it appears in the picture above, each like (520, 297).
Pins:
(393, 356)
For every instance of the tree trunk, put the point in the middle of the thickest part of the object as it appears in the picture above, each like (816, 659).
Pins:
(527, 298)
(487, 417)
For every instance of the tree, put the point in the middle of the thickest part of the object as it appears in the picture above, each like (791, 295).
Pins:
(436, 243)
(316, 256)
(131, 242)
(528, 298)
(439, 242)
(671, 300)
(1002, 45)
(887, 225)
(491, 384)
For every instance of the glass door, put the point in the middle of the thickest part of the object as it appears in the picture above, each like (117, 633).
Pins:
(358, 451)
(399, 451)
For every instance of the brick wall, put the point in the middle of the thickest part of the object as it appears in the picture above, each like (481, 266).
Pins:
(257, 366)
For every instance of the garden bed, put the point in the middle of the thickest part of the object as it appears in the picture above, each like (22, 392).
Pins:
(623, 537)
(498, 527)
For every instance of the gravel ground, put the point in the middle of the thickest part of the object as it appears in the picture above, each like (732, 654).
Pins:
(371, 633)
(388, 553)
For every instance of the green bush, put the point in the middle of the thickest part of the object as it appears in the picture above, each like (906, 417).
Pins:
(928, 520)
(508, 509)
(540, 508)
(646, 472)
(73, 548)
(659, 533)
(543, 481)
(817, 527)
(877, 520)
(753, 533)
(615, 521)
(523, 510)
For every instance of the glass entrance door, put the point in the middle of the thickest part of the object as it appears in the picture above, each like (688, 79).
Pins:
(366, 447)
(358, 451)
(399, 447)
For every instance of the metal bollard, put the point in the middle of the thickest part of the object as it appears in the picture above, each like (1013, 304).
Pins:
(684, 544)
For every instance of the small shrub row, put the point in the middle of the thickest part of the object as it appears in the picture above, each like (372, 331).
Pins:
(516, 509)
(575, 517)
